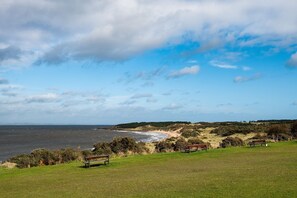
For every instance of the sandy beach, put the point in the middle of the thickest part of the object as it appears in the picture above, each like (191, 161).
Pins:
(162, 134)
(168, 133)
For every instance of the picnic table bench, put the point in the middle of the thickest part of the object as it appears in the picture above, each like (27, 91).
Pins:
(196, 147)
(96, 158)
(258, 142)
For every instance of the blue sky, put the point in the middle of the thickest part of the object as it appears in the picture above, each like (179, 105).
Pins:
(109, 62)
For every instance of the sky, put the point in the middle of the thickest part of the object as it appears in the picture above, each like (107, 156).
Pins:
(116, 61)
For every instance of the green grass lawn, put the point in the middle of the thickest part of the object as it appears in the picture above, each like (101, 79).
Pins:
(233, 172)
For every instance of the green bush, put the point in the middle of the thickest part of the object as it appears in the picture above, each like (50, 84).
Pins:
(294, 129)
(180, 144)
(243, 128)
(68, 154)
(189, 133)
(195, 141)
(279, 132)
(141, 147)
(44, 157)
(124, 144)
(230, 141)
(164, 146)
(86, 153)
(23, 161)
(119, 145)
(102, 148)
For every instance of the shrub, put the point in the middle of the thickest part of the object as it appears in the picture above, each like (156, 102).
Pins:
(195, 141)
(164, 146)
(172, 139)
(102, 148)
(294, 129)
(284, 137)
(243, 128)
(44, 157)
(23, 161)
(68, 154)
(120, 145)
(230, 141)
(189, 133)
(86, 153)
(141, 147)
(180, 144)
(278, 131)
(258, 136)
(124, 144)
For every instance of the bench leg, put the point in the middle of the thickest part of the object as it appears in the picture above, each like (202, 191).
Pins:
(87, 164)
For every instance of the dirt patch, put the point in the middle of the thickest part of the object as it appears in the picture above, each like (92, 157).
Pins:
(211, 138)
(8, 165)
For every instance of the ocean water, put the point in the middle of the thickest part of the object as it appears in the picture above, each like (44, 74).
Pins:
(18, 139)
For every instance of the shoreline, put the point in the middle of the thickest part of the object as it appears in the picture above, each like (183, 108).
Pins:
(152, 134)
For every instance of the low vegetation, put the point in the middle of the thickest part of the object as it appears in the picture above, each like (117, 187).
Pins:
(153, 124)
(232, 141)
(39, 157)
(277, 131)
(231, 172)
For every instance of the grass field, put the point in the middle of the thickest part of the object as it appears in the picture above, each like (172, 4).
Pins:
(233, 172)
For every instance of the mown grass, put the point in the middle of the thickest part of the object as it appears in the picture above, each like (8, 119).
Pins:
(233, 172)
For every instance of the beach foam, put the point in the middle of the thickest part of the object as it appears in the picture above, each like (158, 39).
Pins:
(151, 136)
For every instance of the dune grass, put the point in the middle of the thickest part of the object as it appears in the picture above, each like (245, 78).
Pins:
(232, 172)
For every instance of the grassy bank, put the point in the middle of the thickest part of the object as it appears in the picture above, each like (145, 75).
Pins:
(233, 172)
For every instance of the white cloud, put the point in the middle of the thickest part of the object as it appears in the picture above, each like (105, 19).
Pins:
(292, 62)
(240, 79)
(185, 71)
(137, 96)
(117, 30)
(142, 75)
(222, 65)
(173, 106)
(151, 100)
(192, 61)
(245, 68)
(43, 98)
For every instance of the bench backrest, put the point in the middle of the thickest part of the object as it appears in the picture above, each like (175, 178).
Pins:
(258, 141)
(96, 157)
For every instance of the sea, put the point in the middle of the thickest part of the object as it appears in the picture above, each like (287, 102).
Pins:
(19, 139)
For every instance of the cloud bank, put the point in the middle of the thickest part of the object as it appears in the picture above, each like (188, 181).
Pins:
(57, 31)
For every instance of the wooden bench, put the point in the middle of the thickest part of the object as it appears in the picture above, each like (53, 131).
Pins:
(196, 147)
(96, 158)
(258, 142)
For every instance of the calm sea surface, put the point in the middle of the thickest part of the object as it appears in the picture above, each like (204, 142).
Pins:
(16, 140)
